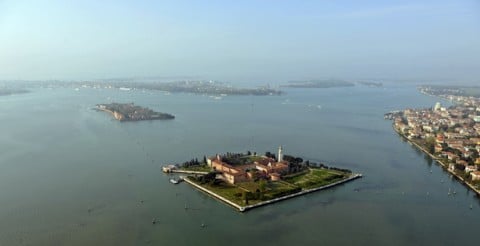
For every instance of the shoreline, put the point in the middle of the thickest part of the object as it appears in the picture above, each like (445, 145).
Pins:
(443, 165)
(278, 199)
(106, 110)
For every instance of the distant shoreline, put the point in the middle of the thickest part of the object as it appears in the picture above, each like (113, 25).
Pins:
(318, 84)
(8, 92)
(442, 164)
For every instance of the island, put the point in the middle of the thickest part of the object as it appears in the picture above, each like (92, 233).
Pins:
(247, 180)
(202, 87)
(371, 84)
(331, 83)
(450, 92)
(131, 112)
(449, 135)
(8, 91)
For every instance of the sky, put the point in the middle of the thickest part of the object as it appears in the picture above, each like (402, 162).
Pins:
(244, 40)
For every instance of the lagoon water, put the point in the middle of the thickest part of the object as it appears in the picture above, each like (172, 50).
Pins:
(70, 175)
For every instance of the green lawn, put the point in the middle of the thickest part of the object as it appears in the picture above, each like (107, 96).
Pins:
(254, 158)
(230, 192)
(198, 168)
(315, 177)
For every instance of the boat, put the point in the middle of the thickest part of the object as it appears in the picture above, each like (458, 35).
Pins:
(176, 181)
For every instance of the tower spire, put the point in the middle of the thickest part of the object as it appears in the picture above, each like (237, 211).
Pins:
(280, 154)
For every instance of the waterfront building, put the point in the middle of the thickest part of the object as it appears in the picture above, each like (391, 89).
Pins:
(470, 168)
(475, 175)
(169, 168)
(263, 166)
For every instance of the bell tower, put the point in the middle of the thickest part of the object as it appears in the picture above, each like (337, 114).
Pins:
(280, 154)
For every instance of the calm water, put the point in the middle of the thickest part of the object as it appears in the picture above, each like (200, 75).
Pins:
(73, 176)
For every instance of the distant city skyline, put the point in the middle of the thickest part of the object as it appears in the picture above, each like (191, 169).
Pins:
(265, 41)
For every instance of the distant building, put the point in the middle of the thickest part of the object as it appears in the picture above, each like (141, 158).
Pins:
(437, 106)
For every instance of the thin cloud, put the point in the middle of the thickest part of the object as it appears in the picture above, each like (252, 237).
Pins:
(377, 12)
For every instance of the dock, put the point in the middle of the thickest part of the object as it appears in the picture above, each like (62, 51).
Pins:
(188, 172)
(173, 169)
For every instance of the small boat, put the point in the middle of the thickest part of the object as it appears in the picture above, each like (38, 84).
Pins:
(174, 181)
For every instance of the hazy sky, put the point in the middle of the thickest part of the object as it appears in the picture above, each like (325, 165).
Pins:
(240, 40)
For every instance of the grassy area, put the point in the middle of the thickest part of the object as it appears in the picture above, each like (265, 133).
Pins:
(241, 160)
(252, 158)
(198, 168)
(230, 192)
(314, 178)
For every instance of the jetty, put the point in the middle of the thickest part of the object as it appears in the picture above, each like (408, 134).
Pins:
(173, 169)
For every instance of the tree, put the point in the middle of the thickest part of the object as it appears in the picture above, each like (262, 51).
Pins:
(249, 153)
(209, 178)
(245, 197)
(262, 185)
(475, 154)
(430, 144)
